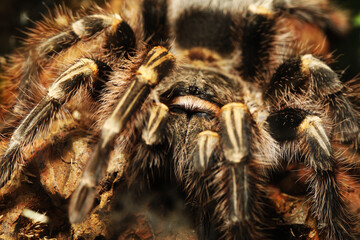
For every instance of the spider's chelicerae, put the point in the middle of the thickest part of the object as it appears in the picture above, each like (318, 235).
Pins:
(212, 96)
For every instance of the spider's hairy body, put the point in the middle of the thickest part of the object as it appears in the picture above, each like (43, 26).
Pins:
(213, 97)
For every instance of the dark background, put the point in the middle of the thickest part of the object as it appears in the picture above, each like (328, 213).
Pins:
(347, 49)
(18, 15)
(15, 17)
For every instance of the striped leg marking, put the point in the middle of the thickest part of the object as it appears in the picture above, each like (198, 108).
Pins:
(327, 204)
(328, 85)
(155, 67)
(236, 146)
(306, 74)
(63, 88)
(207, 142)
(152, 133)
(235, 132)
(80, 30)
(321, 154)
(241, 195)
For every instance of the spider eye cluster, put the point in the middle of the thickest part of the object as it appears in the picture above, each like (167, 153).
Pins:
(194, 106)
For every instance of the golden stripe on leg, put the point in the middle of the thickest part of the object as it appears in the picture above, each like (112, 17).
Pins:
(235, 132)
(155, 67)
(207, 142)
(153, 130)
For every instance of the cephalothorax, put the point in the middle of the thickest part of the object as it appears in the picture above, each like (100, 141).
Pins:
(214, 95)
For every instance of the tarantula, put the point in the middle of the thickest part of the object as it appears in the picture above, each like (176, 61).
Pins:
(215, 95)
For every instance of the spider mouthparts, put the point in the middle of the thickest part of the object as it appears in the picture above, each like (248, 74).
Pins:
(194, 105)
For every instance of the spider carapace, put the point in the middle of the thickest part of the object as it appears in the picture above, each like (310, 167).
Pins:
(215, 95)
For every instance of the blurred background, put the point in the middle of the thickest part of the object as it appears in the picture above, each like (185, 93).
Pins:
(17, 15)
